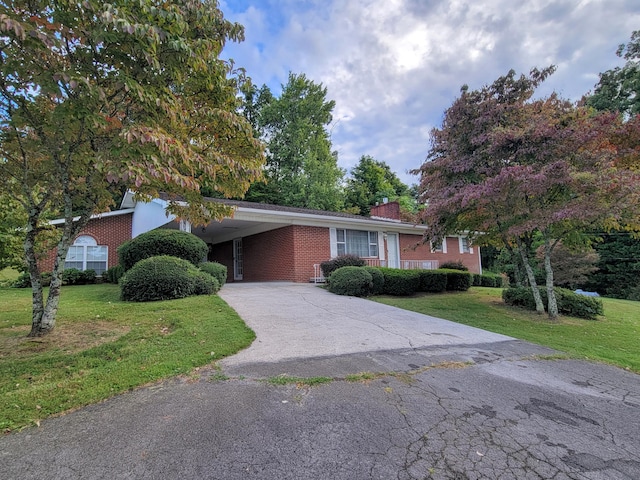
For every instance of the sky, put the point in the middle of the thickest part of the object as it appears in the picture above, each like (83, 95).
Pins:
(394, 66)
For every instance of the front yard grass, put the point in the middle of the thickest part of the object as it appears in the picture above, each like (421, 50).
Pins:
(612, 338)
(102, 346)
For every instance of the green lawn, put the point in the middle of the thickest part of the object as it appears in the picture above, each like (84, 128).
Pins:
(613, 338)
(102, 346)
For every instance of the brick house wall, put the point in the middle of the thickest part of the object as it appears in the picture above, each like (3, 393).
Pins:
(111, 231)
(312, 245)
(223, 253)
(409, 251)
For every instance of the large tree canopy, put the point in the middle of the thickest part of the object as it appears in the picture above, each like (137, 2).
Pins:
(301, 169)
(505, 167)
(95, 96)
(371, 181)
(619, 88)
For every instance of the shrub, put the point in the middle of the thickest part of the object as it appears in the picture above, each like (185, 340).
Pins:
(349, 280)
(400, 282)
(476, 280)
(378, 280)
(216, 270)
(457, 280)
(23, 281)
(433, 281)
(162, 278)
(113, 274)
(72, 276)
(162, 242)
(457, 265)
(204, 283)
(487, 280)
(569, 303)
(329, 266)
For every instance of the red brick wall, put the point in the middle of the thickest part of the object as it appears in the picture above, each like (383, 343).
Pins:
(423, 252)
(386, 210)
(109, 231)
(312, 245)
(223, 253)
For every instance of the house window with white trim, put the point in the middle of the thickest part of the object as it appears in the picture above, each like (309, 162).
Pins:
(439, 247)
(86, 254)
(357, 242)
(465, 245)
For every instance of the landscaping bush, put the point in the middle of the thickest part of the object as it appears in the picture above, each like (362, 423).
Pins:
(162, 278)
(487, 280)
(113, 274)
(400, 282)
(78, 277)
(457, 265)
(205, 283)
(349, 280)
(216, 270)
(175, 243)
(569, 303)
(23, 281)
(476, 280)
(378, 280)
(329, 266)
(434, 281)
(458, 281)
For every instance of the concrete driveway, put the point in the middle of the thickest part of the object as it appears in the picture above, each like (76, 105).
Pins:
(438, 400)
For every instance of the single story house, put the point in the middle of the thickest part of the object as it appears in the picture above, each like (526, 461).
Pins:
(263, 242)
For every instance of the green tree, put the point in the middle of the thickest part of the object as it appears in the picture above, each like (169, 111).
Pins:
(618, 273)
(12, 220)
(301, 169)
(619, 88)
(371, 181)
(99, 96)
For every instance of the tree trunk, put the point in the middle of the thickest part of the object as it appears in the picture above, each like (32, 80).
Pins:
(552, 304)
(531, 277)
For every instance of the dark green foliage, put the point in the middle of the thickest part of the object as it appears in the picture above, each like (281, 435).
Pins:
(378, 280)
(569, 303)
(73, 276)
(23, 281)
(330, 266)
(618, 274)
(458, 281)
(205, 283)
(487, 280)
(163, 278)
(457, 265)
(162, 242)
(400, 282)
(433, 281)
(113, 274)
(216, 270)
(349, 280)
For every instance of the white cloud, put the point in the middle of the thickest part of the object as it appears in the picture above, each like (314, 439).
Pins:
(394, 66)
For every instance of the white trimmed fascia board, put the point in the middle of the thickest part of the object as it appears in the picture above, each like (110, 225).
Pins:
(115, 213)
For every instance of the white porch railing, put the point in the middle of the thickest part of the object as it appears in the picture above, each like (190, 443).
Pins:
(318, 276)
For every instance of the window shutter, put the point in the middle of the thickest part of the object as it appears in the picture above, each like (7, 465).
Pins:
(333, 241)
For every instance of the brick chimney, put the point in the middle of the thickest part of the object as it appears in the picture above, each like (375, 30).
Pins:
(387, 210)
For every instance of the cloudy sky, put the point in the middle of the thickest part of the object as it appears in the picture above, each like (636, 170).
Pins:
(394, 66)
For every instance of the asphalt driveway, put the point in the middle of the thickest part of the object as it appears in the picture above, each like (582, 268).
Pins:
(430, 399)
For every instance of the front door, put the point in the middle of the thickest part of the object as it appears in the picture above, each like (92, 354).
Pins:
(393, 250)
(237, 259)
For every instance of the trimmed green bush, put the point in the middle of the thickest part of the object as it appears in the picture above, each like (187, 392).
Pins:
(487, 280)
(329, 266)
(175, 243)
(400, 282)
(433, 281)
(23, 281)
(113, 274)
(162, 278)
(378, 280)
(73, 276)
(457, 265)
(349, 280)
(458, 280)
(216, 270)
(205, 283)
(569, 303)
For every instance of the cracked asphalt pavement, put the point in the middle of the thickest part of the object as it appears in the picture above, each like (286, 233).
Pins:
(438, 401)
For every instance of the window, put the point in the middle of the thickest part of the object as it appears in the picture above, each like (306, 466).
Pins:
(439, 247)
(86, 254)
(357, 242)
(465, 245)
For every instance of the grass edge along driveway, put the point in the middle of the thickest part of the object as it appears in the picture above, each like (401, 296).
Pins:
(102, 346)
(613, 338)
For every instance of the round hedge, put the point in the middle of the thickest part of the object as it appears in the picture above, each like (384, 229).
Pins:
(378, 280)
(216, 270)
(162, 278)
(354, 281)
(162, 242)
